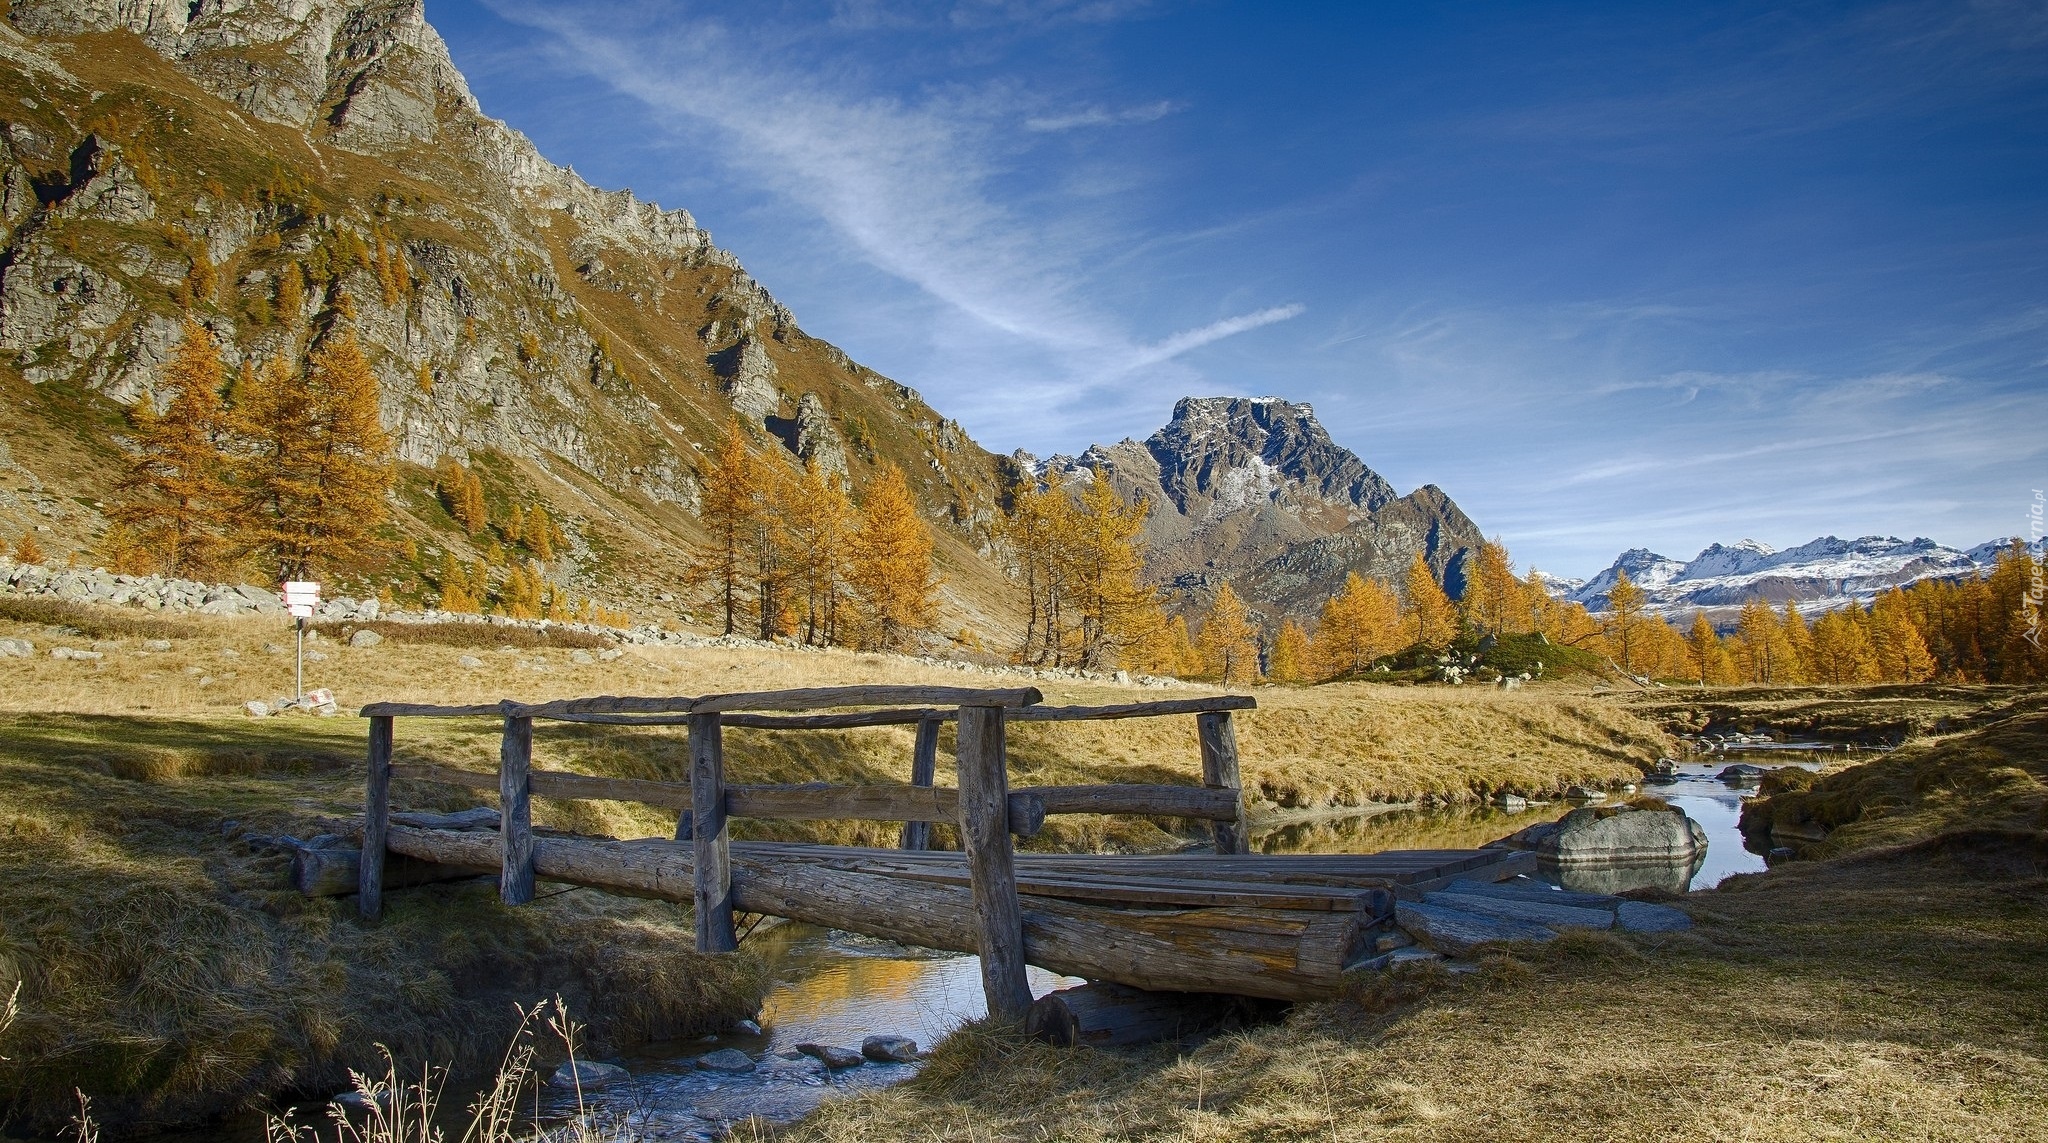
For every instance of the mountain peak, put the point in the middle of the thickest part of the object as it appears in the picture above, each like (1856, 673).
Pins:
(1226, 454)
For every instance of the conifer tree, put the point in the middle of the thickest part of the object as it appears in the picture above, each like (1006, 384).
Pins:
(176, 506)
(1290, 659)
(1767, 655)
(1434, 620)
(455, 593)
(1113, 609)
(315, 463)
(1841, 648)
(889, 572)
(515, 528)
(1040, 531)
(26, 549)
(816, 518)
(1358, 625)
(538, 533)
(1493, 595)
(1703, 648)
(1625, 623)
(730, 507)
(1798, 645)
(1229, 642)
(1899, 651)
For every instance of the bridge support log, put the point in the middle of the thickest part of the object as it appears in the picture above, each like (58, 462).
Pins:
(711, 895)
(991, 863)
(924, 770)
(376, 821)
(1284, 954)
(1219, 772)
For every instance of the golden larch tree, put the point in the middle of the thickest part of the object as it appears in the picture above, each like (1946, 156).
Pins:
(1431, 617)
(1841, 648)
(537, 532)
(1358, 625)
(26, 549)
(817, 518)
(175, 507)
(1290, 660)
(1114, 610)
(889, 573)
(455, 593)
(729, 506)
(315, 463)
(1625, 624)
(1703, 649)
(1895, 643)
(1228, 641)
(1493, 595)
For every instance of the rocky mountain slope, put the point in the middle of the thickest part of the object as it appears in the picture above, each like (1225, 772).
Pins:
(1824, 573)
(276, 165)
(1253, 491)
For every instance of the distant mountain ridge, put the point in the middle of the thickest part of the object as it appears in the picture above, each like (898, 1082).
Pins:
(1824, 573)
(1253, 491)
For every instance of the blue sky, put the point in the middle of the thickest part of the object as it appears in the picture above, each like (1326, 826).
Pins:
(1612, 275)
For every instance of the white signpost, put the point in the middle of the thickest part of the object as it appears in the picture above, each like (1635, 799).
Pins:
(300, 598)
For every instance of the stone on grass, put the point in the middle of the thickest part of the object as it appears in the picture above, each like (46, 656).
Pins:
(156, 644)
(1644, 835)
(470, 662)
(365, 638)
(1455, 931)
(609, 654)
(726, 1060)
(581, 658)
(1643, 917)
(588, 1075)
(837, 1059)
(16, 648)
(889, 1049)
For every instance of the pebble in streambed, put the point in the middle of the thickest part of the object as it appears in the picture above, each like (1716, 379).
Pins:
(699, 1097)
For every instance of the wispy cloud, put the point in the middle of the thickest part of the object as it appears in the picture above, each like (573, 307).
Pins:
(1103, 117)
(1215, 331)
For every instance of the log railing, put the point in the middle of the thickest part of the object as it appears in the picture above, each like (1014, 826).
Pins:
(982, 805)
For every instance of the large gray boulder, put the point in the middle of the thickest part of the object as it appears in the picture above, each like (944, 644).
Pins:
(1587, 836)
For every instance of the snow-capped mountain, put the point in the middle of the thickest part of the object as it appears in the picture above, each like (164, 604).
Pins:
(1823, 573)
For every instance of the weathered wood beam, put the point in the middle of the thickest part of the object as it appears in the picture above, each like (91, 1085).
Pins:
(983, 764)
(1134, 709)
(515, 812)
(1285, 954)
(430, 710)
(447, 775)
(924, 770)
(815, 698)
(711, 894)
(1143, 801)
(376, 820)
(1219, 772)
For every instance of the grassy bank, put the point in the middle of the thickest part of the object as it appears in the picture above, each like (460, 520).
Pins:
(1896, 988)
(168, 972)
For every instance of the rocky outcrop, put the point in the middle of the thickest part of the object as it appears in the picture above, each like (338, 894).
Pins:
(1617, 835)
(749, 379)
(817, 439)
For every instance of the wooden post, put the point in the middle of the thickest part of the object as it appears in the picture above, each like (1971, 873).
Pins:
(1219, 772)
(924, 770)
(376, 820)
(515, 811)
(712, 862)
(991, 866)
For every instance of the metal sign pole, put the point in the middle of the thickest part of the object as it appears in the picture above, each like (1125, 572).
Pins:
(299, 672)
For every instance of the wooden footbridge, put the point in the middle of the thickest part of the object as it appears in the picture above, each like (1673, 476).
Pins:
(1283, 927)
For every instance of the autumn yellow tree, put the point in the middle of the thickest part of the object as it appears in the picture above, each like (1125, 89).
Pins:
(1040, 530)
(462, 493)
(314, 463)
(1765, 654)
(1431, 617)
(1896, 646)
(1623, 627)
(1493, 598)
(889, 573)
(1290, 660)
(1841, 648)
(175, 505)
(26, 549)
(817, 518)
(1704, 651)
(1229, 643)
(1168, 649)
(730, 509)
(1358, 625)
(537, 532)
(455, 593)
(1114, 610)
